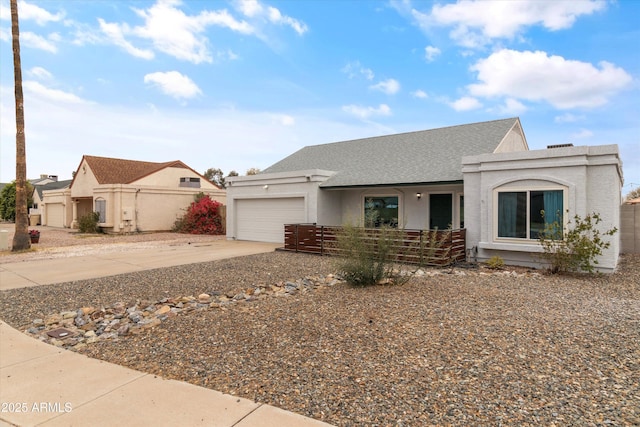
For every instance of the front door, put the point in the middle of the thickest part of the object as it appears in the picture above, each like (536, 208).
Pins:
(440, 211)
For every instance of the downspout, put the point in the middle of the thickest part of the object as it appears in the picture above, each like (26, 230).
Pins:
(135, 209)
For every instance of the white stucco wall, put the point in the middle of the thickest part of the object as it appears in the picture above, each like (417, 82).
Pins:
(591, 177)
(278, 185)
(414, 211)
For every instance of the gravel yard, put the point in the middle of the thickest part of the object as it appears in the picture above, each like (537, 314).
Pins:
(460, 347)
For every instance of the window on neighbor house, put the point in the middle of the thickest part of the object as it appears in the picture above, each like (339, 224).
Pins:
(381, 210)
(101, 208)
(524, 214)
(190, 182)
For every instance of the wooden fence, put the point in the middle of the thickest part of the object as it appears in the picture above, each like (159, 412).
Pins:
(425, 247)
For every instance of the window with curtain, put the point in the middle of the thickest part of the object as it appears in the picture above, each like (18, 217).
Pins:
(524, 214)
(101, 208)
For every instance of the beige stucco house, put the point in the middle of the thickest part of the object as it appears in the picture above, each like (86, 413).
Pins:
(129, 195)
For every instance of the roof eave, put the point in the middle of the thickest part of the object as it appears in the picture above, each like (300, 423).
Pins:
(397, 184)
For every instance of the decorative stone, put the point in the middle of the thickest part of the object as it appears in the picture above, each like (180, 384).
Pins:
(162, 310)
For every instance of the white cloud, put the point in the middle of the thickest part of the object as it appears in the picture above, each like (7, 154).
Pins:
(284, 119)
(174, 84)
(40, 73)
(366, 112)
(115, 33)
(250, 8)
(535, 76)
(355, 69)
(32, 40)
(170, 31)
(31, 12)
(419, 94)
(389, 86)
(466, 103)
(477, 23)
(55, 95)
(513, 107)
(568, 118)
(278, 18)
(583, 133)
(430, 53)
(254, 9)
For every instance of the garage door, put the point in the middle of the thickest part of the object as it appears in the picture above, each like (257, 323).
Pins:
(262, 220)
(55, 215)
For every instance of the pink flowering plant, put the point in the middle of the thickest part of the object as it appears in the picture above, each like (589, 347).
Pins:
(203, 216)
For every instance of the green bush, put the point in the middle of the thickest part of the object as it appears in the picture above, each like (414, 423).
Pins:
(89, 223)
(577, 247)
(495, 263)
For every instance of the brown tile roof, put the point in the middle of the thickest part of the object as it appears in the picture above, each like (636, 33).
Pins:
(120, 171)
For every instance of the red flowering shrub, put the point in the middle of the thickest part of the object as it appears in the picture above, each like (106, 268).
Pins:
(202, 217)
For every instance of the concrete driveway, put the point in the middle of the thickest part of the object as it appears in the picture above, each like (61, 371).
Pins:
(99, 264)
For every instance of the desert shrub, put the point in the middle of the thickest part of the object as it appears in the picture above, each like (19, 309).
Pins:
(495, 262)
(203, 216)
(366, 256)
(89, 223)
(575, 248)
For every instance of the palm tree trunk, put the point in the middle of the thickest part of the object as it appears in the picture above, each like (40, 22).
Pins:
(21, 239)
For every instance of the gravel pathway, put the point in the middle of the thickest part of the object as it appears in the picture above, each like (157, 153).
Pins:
(460, 347)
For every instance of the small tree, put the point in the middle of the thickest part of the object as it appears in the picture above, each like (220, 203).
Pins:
(8, 200)
(216, 176)
(575, 248)
(633, 194)
(203, 216)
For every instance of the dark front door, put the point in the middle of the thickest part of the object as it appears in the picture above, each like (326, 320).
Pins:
(440, 211)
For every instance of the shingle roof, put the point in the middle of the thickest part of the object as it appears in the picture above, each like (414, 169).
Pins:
(428, 156)
(56, 185)
(120, 171)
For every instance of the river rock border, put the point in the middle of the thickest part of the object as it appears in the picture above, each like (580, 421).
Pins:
(75, 329)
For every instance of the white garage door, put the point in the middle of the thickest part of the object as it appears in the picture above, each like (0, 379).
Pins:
(55, 215)
(262, 220)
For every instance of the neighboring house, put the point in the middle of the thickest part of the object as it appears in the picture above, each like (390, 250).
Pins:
(129, 195)
(44, 179)
(39, 186)
(468, 176)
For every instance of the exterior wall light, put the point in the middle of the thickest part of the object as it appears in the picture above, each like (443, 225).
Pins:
(266, 186)
(418, 196)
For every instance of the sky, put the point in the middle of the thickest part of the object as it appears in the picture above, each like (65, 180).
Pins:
(242, 84)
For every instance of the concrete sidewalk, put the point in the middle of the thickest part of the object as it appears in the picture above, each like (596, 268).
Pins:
(43, 385)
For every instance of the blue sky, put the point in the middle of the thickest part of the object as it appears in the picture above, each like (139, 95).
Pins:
(242, 84)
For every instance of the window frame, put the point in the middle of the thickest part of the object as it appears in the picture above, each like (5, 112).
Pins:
(528, 190)
(365, 197)
(102, 212)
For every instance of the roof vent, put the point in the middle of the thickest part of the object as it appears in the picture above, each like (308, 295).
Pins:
(560, 145)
